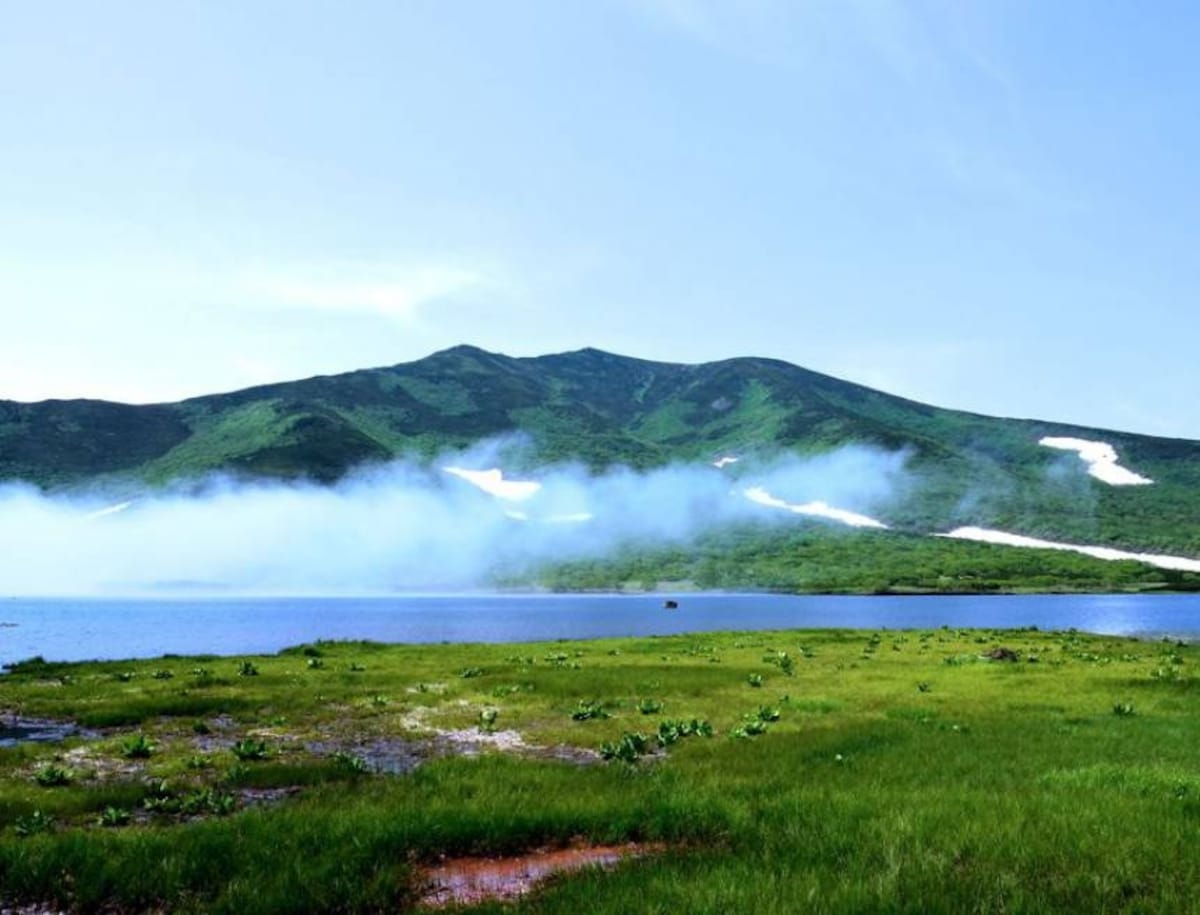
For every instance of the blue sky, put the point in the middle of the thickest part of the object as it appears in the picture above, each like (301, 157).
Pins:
(991, 206)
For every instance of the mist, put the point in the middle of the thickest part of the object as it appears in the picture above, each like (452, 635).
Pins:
(404, 526)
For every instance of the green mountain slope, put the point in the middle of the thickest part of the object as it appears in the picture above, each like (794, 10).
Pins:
(603, 409)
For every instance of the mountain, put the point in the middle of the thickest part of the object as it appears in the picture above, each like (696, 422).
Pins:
(604, 409)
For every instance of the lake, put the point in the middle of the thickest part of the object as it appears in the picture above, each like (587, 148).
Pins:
(80, 629)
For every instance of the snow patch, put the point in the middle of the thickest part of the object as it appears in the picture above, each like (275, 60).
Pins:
(987, 535)
(813, 509)
(110, 510)
(725, 461)
(493, 482)
(1101, 459)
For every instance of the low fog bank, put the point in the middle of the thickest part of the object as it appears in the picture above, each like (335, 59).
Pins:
(401, 527)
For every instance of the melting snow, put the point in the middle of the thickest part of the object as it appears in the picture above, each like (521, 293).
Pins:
(986, 535)
(813, 509)
(1101, 459)
(111, 510)
(493, 482)
(723, 461)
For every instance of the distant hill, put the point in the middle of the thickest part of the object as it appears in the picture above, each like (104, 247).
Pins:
(603, 409)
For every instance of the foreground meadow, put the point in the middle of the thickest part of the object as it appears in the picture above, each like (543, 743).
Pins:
(822, 771)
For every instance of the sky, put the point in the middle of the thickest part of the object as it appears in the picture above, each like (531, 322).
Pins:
(989, 206)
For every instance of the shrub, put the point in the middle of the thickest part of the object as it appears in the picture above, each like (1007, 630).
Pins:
(586, 711)
(52, 776)
(650, 706)
(247, 669)
(249, 749)
(137, 747)
(113, 816)
(33, 824)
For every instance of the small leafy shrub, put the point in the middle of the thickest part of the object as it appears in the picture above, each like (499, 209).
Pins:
(755, 680)
(207, 800)
(380, 701)
(124, 676)
(766, 714)
(200, 726)
(113, 816)
(137, 747)
(1123, 709)
(247, 669)
(33, 824)
(924, 686)
(199, 761)
(163, 674)
(350, 763)
(487, 720)
(670, 731)
(315, 664)
(470, 673)
(250, 750)
(356, 668)
(588, 710)
(650, 706)
(628, 749)
(52, 776)
(202, 672)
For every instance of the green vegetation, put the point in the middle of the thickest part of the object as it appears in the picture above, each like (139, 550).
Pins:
(602, 410)
(902, 771)
(814, 558)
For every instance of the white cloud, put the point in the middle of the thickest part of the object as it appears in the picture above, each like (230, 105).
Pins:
(396, 293)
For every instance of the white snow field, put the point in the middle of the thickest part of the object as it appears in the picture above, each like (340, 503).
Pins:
(1101, 459)
(724, 461)
(813, 509)
(987, 535)
(493, 482)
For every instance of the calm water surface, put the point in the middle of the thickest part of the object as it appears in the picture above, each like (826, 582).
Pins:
(79, 629)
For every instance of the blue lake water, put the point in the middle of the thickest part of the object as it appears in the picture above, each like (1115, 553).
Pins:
(79, 629)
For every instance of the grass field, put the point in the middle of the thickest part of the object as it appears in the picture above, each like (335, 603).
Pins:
(846, 771)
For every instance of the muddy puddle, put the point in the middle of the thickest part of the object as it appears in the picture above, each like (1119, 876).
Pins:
(15, 729)
(469, 881)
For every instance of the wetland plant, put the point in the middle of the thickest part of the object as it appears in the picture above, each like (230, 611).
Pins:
(247, 669)
(628, 749)
(650, 706)
(113, 816)
(755, 680)
(588, 710)
(52, 776)
(249, 749)
(33, 824)
(1123, 709)
(137, 747)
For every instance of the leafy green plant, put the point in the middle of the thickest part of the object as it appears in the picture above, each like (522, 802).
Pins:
(755, 680)
(138, 747)
(199, 761)
(200, 726)
(588, 710)
(315, 664)
(628, 749)
(249, 749)
(469, 673)
(650, 706)
(52, 776)
(33, 823)
(350, 763)
(113, 816)
(487, 719)
(163, 674)
(1123, 709)
(247, 669)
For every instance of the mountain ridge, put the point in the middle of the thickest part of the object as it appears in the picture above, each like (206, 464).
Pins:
(604, 409)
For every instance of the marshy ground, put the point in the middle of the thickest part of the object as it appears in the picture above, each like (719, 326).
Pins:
(824, 771)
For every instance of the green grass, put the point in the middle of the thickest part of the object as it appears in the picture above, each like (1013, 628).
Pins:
(894, 771)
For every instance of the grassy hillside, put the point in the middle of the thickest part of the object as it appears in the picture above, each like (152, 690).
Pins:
(602, 409)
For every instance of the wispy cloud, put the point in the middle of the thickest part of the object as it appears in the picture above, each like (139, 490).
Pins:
(399, 293)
